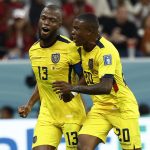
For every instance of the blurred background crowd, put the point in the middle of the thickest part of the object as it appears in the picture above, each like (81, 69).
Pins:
(126, 23)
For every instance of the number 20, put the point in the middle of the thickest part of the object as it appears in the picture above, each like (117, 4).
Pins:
(125, 134)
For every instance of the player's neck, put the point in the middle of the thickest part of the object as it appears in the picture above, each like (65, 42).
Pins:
(49, 42)
(89, 46)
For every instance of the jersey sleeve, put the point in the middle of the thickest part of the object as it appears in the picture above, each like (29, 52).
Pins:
(107, 62)
(73, 55)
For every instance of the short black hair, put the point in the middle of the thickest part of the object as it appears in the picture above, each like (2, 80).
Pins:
(91, 20)
(54, 7)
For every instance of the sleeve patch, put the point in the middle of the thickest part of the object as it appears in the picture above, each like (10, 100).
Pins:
(107, 59)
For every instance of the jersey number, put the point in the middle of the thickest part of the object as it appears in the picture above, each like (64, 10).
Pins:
(88, 77)
(43, 73)
(125, 134)
(74, 136)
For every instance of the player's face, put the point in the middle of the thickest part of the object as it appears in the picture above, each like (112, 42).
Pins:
(79, 32)
(49, 23)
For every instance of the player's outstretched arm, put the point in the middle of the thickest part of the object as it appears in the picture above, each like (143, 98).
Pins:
(103, 87)
(25, 109)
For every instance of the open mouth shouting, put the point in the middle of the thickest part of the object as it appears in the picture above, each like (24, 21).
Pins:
(45, 30)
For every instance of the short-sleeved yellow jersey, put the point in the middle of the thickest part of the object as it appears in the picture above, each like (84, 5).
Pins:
(103, 60)
(53, 64)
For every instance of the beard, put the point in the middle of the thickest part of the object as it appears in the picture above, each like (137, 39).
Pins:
(48, 37)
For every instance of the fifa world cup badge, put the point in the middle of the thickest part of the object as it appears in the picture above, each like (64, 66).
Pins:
(90, 64)
(55, 58)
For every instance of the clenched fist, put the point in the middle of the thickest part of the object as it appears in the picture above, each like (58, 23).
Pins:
(24, 111)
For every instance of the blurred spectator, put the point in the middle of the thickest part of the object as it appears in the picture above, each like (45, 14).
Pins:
(6, 112)
(144, 109)
(132, 2)
(120, 31)
(35, 9)
(3, 26)
(138, 11)
(64, 2)
(103, 7)
(58, 2)
(145, 41)
(14, 4)
(74, 8)
(30, 80)
(19, 36)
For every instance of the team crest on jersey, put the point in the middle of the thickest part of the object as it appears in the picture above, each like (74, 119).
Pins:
(55, 57)
(107, 59)
(90, 64)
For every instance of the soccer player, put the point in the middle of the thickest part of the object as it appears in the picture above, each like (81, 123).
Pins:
(53, 58)
(114, 105)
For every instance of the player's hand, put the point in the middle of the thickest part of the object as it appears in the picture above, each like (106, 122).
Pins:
(24, 111)
(67, 97)
(62, 87)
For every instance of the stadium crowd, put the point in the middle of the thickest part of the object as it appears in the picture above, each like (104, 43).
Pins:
(126, 23)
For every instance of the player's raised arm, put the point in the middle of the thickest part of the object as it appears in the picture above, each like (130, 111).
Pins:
(25, 109)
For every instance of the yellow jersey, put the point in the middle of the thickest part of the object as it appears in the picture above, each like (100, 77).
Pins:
(104, 60)
(53, 64)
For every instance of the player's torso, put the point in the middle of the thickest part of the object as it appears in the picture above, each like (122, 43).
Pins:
(90, 67)
(120, 95)
(49, 65)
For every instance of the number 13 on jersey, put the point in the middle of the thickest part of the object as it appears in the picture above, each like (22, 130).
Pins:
(43, 73)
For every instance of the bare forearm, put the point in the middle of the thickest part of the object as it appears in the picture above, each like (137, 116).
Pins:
(104, 87)
(34, 98)
(91, 89)
(97, 89)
